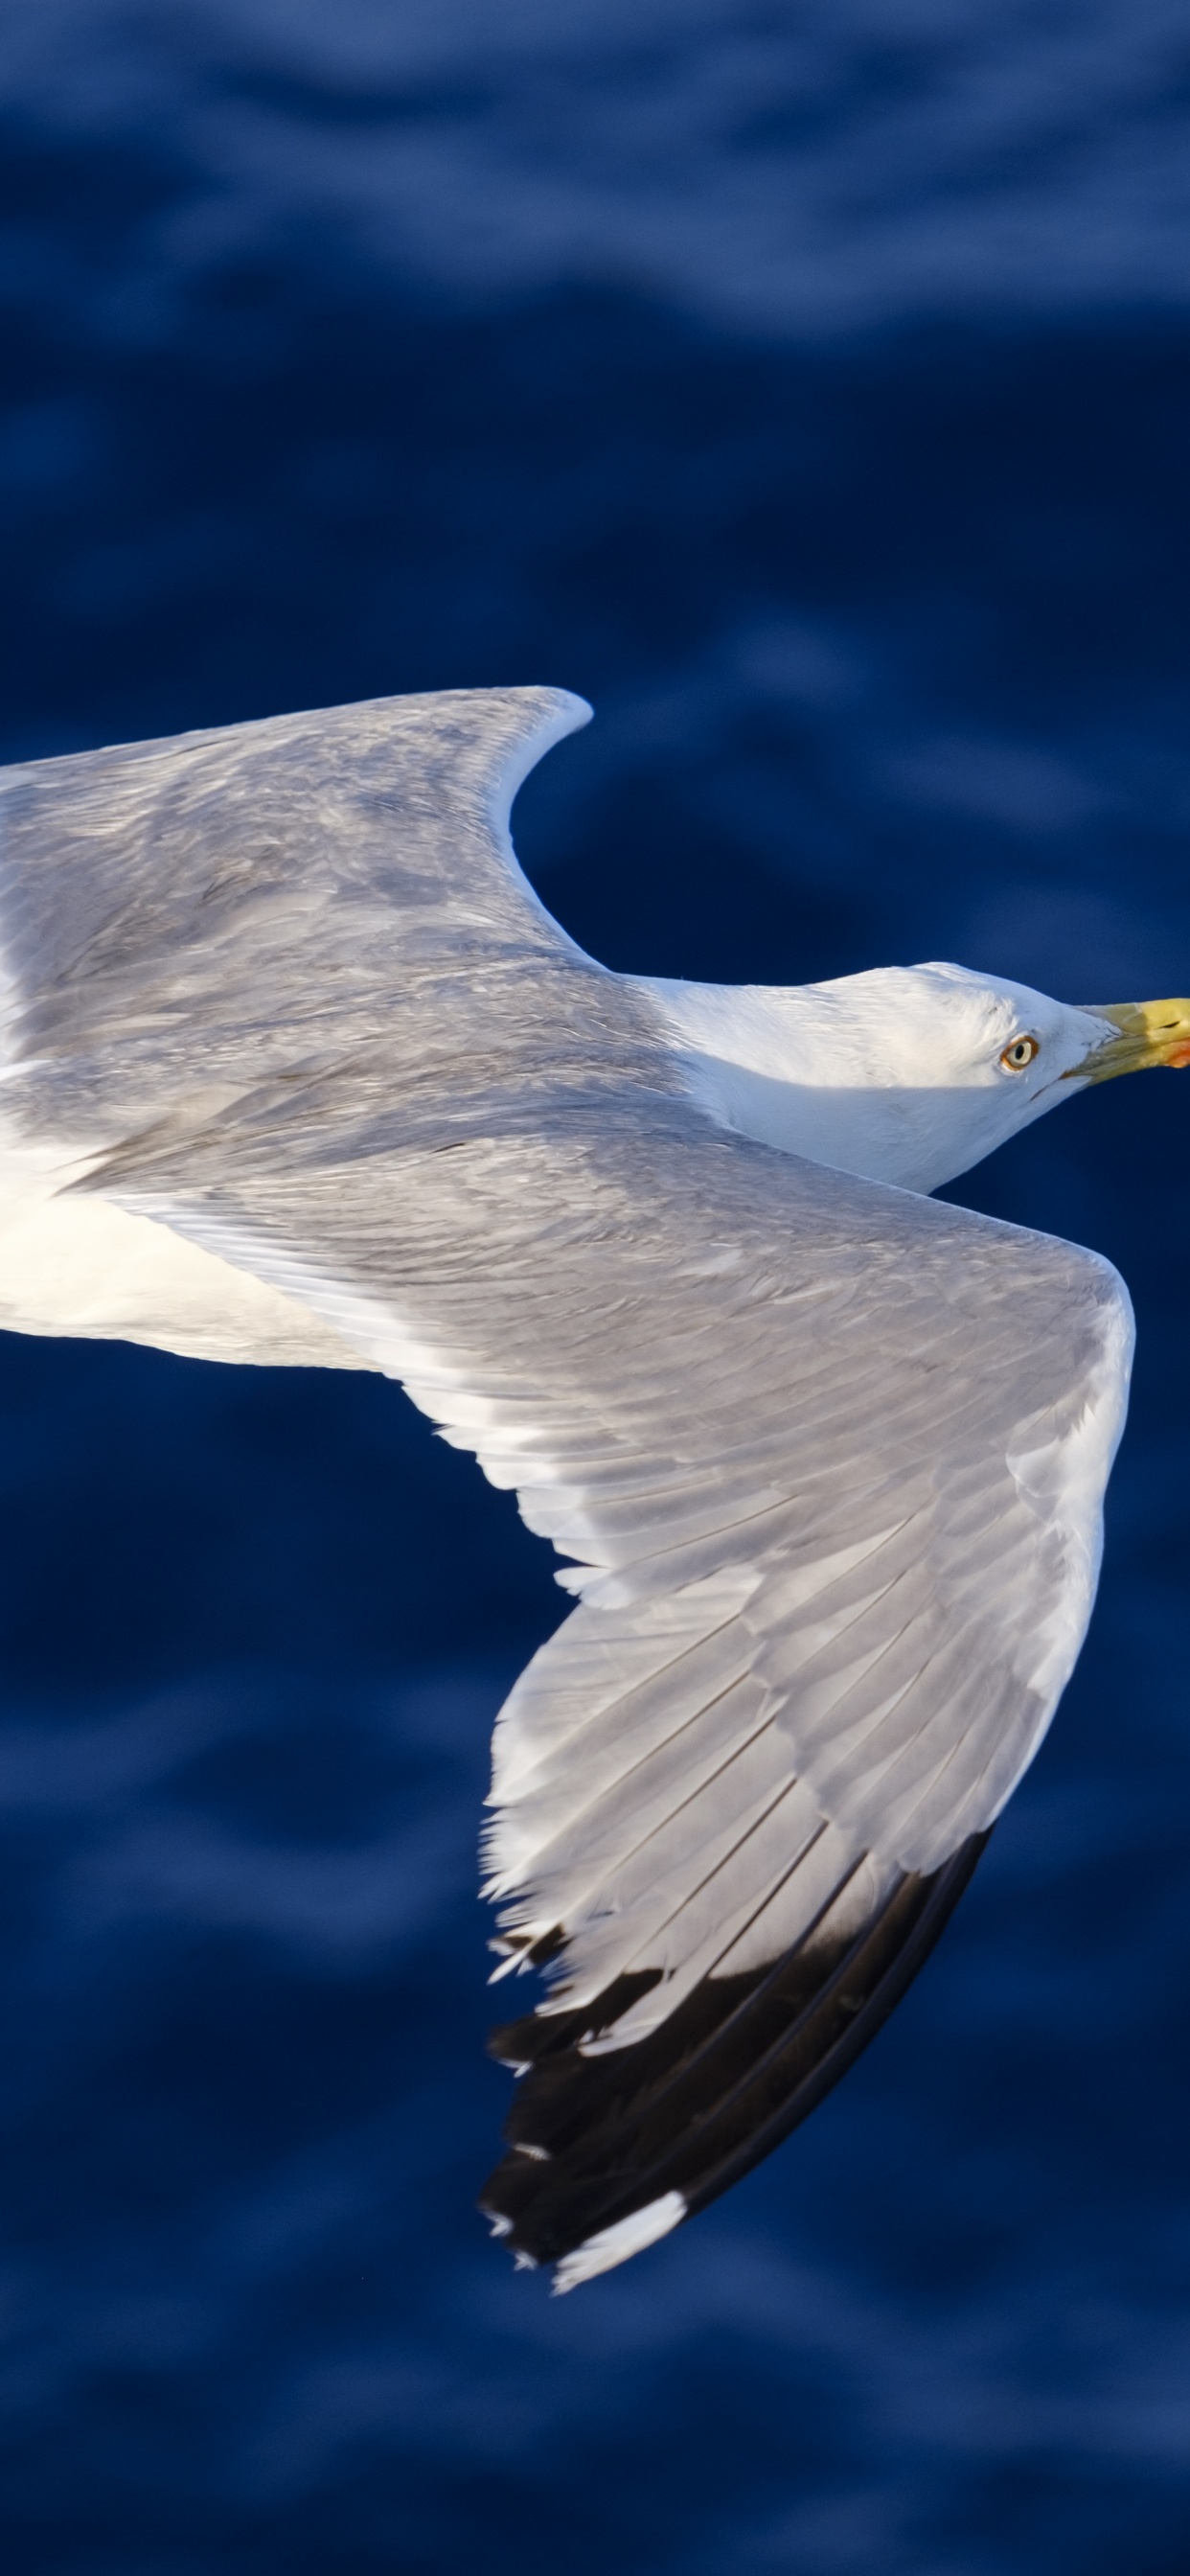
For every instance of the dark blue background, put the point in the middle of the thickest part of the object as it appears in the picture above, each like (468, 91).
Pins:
(810, 388)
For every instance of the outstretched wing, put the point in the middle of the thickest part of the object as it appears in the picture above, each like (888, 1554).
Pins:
(257, 907)
(829, 1458)
(191, 930)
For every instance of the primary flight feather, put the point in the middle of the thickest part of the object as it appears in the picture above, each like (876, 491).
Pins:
(296, 1067)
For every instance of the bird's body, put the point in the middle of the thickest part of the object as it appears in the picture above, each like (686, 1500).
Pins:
(298, 1068)
(73, 1261)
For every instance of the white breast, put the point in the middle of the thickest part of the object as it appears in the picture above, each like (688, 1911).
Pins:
(71, 1262)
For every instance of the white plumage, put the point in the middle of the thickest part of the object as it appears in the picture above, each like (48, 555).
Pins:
(298, 1068)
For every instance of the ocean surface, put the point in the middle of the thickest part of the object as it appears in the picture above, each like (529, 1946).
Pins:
(809, 386)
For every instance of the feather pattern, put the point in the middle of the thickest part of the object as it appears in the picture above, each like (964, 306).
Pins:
(828, 1457)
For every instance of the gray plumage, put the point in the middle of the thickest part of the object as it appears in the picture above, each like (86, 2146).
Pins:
(828, 1456)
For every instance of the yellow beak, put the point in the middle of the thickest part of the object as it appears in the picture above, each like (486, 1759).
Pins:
(1149, 1033)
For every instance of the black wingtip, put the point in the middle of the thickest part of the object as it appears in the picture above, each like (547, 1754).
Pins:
(594, 2140)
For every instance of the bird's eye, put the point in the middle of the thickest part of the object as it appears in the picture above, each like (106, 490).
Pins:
(1018, 1053)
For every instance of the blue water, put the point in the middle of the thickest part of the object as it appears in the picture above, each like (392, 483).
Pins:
(809, 386)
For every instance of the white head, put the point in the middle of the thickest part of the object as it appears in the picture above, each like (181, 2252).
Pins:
(907, 1074)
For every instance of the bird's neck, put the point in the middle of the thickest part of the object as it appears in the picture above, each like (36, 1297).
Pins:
(795, 1068)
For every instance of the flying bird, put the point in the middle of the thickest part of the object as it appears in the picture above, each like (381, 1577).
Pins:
(297, 1068)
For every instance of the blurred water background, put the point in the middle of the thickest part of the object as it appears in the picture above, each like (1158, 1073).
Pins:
(808, 385)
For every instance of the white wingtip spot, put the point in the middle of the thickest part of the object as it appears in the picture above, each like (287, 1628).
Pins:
(618, 2244)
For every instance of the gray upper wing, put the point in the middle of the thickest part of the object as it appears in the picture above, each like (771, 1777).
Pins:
(833, 1461)
(183, 921)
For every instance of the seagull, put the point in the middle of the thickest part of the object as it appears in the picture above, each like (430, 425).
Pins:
(296, 1068)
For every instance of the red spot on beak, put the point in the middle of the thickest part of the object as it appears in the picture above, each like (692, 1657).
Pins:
(1179, 1056)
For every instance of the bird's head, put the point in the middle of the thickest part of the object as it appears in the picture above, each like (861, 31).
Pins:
(908, 1074)
(996, 1055)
